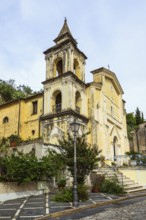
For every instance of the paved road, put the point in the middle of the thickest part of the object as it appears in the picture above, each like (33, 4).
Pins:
(33, 207)
(133, 209)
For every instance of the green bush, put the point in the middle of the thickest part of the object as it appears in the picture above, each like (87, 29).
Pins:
(112, 186)
(61, 183)
(66, 194)
(82, 192)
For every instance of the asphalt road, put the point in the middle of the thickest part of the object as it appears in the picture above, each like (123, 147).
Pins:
(33, 207)
(113, 211)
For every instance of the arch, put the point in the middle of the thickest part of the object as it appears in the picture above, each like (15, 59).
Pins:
(5, 120)
(76, 68)
(78, 101)
(57, 101)
(58, 66)
(115, 140)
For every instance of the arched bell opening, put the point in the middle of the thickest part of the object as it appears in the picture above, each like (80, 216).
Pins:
(57, 101)
(78, 102)
(58, 67)
(76, 68)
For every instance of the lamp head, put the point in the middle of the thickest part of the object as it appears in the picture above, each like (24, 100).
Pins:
(74, 126)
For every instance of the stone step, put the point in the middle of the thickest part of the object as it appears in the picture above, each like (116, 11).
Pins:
(129, 185)
(140, 188)
(126, 181)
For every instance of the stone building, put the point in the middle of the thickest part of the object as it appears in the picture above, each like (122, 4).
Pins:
(138, 139)
(97, 105)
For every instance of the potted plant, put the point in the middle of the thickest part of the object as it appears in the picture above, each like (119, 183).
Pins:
(14, 140)
(97, 181)
(61, 183)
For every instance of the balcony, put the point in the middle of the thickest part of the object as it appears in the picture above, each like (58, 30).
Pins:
(57, 108)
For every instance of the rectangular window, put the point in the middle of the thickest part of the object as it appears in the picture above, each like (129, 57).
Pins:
(34, 107)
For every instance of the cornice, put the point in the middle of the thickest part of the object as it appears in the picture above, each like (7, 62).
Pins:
(64, 113)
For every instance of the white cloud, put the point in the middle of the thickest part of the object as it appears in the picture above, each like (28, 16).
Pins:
(108, 32)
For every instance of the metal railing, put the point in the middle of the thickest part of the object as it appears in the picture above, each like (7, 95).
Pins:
(115, 169)
(57, 108)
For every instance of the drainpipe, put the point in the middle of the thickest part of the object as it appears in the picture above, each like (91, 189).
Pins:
(19, 117)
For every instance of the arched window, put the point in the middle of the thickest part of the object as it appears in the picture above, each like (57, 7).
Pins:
(5, 120)
(57, 103)
(76, 68)
(33, 132)
(59, 67)
(115, 140)
(78, 102)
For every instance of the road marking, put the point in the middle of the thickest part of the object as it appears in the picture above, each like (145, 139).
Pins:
(12, 204)
(31, 216)
(8, 209)
(34, 202)
(92, 201)
(3, 217)
(106, 196)
(18, 211)
(47, 204)
(34, 208)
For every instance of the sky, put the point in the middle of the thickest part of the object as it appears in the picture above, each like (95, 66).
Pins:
(109, 32)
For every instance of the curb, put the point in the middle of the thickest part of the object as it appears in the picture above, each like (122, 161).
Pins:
(74, 210)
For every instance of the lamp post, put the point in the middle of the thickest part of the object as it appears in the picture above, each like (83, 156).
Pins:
(75, 128)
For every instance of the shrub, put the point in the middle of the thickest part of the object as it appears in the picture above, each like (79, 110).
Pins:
(61, 183)
(66, 194)
(82, 192)
(112, 185)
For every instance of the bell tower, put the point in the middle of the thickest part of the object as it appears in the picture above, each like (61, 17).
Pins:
(64, 88)
(65, 56)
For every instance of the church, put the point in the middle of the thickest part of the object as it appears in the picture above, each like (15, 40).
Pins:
(98, 105)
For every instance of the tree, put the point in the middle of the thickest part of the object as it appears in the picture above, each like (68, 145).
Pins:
(131, 122)
(22, 168)
(138, 116)
(142, 118)
(87, 157)
(6, 91)
(9, 91)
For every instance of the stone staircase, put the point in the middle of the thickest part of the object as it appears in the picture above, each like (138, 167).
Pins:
(128, 184)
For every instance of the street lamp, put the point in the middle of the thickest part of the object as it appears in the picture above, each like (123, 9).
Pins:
(75, 128)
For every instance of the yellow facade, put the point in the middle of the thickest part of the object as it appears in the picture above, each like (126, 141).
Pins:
(98, 105)
(22, 120)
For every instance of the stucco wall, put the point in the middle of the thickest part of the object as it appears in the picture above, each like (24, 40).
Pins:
(12, 190)
(138, 175)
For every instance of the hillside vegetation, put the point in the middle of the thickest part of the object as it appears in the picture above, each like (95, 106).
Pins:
(9, 91)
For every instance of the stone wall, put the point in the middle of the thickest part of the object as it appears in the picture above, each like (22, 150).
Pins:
(11, 190)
